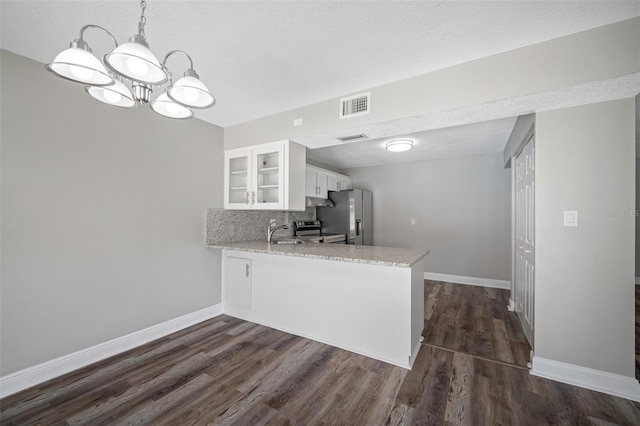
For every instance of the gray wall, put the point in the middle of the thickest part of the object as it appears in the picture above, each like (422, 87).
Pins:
(598, 54)
(462, 208)
(584, 296)
(103, 215)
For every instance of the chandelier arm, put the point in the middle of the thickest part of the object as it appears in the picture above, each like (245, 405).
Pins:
(189, 91)
(84, 28)
(164, 61)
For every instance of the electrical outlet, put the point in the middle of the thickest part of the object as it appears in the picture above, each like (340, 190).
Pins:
(413, 221)
(297, 122)
(272, 222)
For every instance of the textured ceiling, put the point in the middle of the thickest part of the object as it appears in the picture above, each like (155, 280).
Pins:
(260, 58)
(470, 139)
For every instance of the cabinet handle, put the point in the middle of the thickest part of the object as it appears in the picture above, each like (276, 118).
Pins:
(246, 271)
(253, 198)
(247, 197)
(338, 186)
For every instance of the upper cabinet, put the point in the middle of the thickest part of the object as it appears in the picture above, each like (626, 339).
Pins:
(267, 177)
(337, 182)
(320, 181)
(237, 178)
(317, 182)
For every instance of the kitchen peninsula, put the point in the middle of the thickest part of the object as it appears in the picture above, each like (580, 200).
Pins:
(366, 299)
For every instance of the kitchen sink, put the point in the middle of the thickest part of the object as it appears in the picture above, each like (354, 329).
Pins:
(288, 241)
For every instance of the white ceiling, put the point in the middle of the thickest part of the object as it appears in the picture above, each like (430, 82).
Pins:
(260, 58)
(470, 139)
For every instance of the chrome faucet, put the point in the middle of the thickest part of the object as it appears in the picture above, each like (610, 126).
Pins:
(271, 230)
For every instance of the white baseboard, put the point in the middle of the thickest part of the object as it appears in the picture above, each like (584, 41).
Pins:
(637, 280)
(40, 373)
(597, 380)
(458, 279)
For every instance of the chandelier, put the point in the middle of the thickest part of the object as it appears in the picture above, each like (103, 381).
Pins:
(132, 61)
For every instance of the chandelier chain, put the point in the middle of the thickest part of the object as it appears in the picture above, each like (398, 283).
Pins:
(143, 19)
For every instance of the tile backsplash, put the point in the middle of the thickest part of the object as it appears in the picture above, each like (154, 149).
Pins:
(224, 226)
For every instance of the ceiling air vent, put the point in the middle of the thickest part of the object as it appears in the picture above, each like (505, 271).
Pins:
(352, 137)
(353, 106)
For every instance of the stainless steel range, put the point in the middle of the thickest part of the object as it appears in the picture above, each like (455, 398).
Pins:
(310, 231)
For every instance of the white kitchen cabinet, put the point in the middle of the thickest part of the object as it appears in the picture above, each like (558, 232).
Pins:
(337, 182)
(238, 179)
(310, 182)
(267, 177)
(344, 183)
(237, 290)
(316, 182)
(333, 182)
(320, 181)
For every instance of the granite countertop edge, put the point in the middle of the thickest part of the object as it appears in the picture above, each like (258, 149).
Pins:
(408, 256)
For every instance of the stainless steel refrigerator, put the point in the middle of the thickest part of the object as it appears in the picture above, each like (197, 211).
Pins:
(351, 215)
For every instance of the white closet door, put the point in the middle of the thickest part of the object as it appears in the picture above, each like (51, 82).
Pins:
(525, 238)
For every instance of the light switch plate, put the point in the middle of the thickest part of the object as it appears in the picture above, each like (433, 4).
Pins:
(570, 218)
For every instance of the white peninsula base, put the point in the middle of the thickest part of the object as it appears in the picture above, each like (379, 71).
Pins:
(371, 309)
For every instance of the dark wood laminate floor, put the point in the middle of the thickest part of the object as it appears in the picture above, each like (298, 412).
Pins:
(228, 371)
(473, 320)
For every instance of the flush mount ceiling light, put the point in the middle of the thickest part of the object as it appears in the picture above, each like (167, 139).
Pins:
(132, 61)
(399, 145)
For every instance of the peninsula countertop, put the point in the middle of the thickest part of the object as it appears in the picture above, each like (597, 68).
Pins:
(387, 256)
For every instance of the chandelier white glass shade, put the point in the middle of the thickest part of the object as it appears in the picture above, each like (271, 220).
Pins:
(117, 94)
(189, 90)
(399, 145)
(165, 106)
(134, 62)
(78, 64)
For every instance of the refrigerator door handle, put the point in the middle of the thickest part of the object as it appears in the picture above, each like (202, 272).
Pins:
(358, 225)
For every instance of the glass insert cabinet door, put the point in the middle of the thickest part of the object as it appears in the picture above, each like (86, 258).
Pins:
(268, 180)
(238, 185)
(238, 180)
